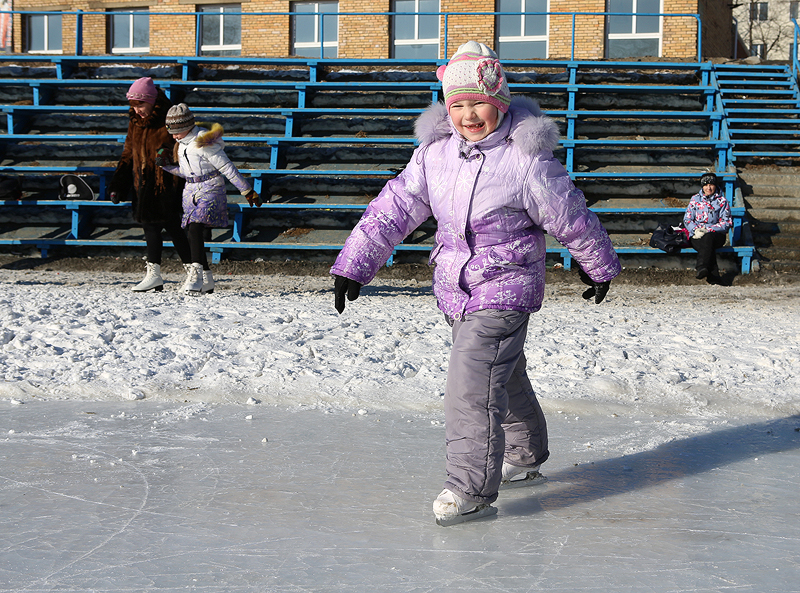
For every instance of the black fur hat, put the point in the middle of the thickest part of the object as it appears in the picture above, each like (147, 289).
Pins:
(708, 178)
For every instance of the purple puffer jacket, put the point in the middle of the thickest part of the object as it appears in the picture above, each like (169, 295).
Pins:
(493, 200)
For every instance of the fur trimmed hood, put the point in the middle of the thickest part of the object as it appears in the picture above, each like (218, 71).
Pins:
(530, 129)
(202, 136)
(210, 136)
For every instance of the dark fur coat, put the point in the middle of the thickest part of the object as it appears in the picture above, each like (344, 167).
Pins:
(155, 194)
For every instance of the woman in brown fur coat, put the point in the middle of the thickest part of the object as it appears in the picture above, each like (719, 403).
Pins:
(156, 196)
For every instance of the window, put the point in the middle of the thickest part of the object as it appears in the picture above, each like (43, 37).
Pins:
(415, 35)
(759, 11)
(522, 36)
(44, 33)
(759, 49)
(313, 34)
(793, 9)
(635, 29)
(221, 31)
(129, 31)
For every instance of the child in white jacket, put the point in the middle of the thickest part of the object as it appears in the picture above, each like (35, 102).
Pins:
(199, 157)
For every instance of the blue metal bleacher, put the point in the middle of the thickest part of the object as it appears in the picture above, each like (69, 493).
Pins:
(674, 159)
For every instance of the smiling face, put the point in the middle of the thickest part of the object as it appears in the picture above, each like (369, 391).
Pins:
(474, 119)
(709, 189)
(141, 108)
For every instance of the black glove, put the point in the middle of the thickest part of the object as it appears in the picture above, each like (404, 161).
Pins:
(114, 197)
(598, 290)
(342, 286)
(163, 158)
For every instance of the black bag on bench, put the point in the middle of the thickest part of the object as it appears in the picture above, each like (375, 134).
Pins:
(74, 187)
(666, 238)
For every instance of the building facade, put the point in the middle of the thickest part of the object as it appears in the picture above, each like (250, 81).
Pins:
(765, 29)
(376, 29)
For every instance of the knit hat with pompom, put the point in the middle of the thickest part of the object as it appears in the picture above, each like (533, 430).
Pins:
(474, 74)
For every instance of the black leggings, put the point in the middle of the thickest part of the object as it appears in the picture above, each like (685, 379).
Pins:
(155, 244)
(706, 247)
(198, 232)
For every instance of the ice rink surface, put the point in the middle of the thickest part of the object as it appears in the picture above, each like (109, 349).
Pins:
(167, 496)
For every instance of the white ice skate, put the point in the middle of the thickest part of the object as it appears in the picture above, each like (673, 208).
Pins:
(193, 285)
(517, 477)
(208, 282)
(451, 509)
(152, 279)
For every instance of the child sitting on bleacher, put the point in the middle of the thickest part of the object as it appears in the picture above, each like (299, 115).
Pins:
(707, 219)
(199, 157)
(485, 170)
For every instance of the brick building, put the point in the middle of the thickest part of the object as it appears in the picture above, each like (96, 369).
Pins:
(538, 29)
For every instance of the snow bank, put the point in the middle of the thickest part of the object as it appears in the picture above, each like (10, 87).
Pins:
(702, 351)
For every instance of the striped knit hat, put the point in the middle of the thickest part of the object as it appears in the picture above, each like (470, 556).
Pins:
(143, 90)
(474, 73)
(179, 119)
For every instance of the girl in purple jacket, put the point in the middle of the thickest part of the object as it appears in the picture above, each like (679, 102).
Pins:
(484, 169)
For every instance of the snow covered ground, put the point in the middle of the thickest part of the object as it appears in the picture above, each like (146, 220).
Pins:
(703, 351)
(255, 440)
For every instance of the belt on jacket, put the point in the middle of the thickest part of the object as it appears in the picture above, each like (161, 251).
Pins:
(205, 177)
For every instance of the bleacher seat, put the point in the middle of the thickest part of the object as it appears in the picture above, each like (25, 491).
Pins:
(325, 135)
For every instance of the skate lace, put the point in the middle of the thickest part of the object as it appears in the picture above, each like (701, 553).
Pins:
(150, 272)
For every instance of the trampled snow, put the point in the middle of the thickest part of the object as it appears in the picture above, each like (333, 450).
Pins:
(705, 351)
(255, 440)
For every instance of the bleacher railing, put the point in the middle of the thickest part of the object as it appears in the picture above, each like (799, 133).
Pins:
(795, 51)
(321, 17)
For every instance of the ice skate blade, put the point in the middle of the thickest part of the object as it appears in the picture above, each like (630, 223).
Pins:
(533, 478)
(192, 293)
(483, 510)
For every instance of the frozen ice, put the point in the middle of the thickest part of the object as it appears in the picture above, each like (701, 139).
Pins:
(674, 417)
(135, 496)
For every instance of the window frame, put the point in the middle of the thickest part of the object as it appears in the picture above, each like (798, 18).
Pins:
(659, 36)
(759, 50)
(416, 40)
(116, 12)
(522, 38)
(47, 29)
(221, 48)
(759, 12)
(319, 45)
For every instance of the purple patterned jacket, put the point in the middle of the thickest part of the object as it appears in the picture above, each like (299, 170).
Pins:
(711, 212)
(493, 200)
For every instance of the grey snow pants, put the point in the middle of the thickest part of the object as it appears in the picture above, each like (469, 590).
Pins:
(490, 409)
